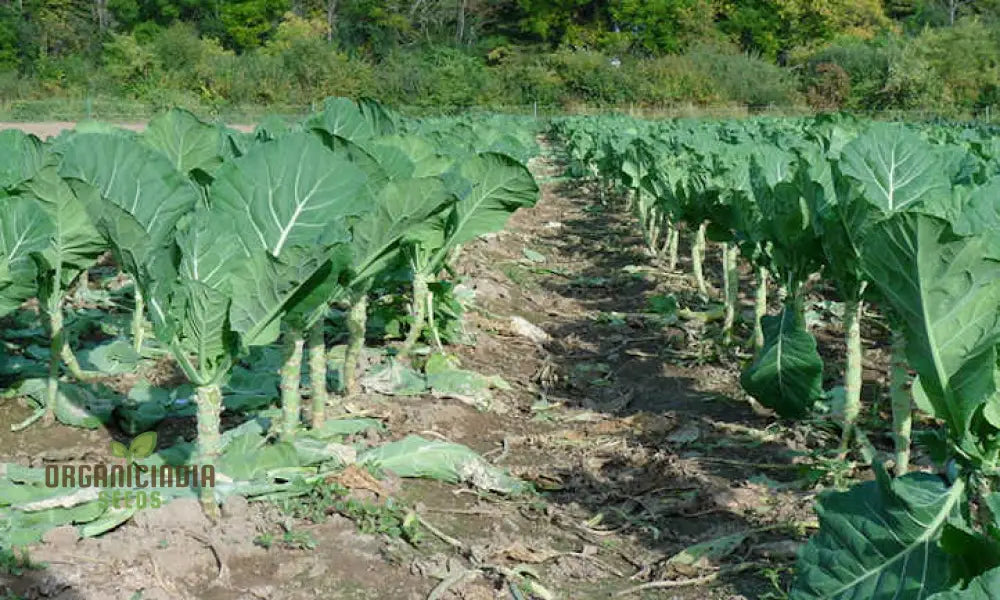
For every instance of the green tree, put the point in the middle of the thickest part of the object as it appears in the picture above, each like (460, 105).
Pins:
(249, 23)
(664, 25)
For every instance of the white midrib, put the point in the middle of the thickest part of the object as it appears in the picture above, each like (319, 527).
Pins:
(953, 496)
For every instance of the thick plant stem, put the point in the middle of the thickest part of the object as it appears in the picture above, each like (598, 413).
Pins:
(56, 342)
(209, 401)
(137, 319)
(419, 311)
(291, 381)
(760, 308)
(902, 410)
(731, 281)
(82, 284)
(698, 257)
(73, 365)
(357, 319)
(673, 247)
(852, 371)
(317, 375)
(430, 322)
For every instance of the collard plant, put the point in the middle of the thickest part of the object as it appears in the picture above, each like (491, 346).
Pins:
(936, 267)
(425, 203)
(48, 242)
(219, 269)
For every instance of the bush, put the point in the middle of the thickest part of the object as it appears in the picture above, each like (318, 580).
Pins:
(865, 62)
(967, 59)
(746, 79)
(439, 76)
(831, 87)
(317, 71)
(674, 80)
(132, 65)
(591, 78)
(521, 79)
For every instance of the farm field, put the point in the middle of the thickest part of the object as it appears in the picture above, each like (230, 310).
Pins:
(498, 358)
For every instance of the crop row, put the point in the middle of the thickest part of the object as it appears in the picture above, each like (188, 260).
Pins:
(904, 217)
(235, 241)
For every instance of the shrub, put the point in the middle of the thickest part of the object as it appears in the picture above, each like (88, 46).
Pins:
(591, 77)
(673, 80)
(866, 64)
(831, 87)
(744, 78)
(439, 76)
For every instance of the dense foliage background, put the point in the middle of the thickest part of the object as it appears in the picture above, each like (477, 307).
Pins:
(117, 56)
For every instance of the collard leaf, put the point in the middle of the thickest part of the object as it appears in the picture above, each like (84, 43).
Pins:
(141, 418)
(24, 229)
(984, 587)
(342, 427)
(879, 540)
(399, 207)
(342, 118)
(945, 290)
(21, 156)
(787, 374)
(78, 407)
(708, 552)
(291, 192)
(896, 169)
(247, 459)
(414, 456)
(114, 358)
(75, 242)
(139, 180)
(498, 185)
(394, 378)
(187, 141)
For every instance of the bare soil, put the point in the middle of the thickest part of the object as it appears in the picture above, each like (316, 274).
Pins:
(46, 129)
(634, 430)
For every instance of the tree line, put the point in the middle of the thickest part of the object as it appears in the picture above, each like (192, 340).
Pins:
(860, 54)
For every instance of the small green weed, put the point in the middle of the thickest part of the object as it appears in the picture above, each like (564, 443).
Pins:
(291, 539)
(773, 575)
(391, 518)
(14, 563)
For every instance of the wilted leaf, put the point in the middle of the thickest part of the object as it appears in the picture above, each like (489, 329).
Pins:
(113, 358)
(414, 456)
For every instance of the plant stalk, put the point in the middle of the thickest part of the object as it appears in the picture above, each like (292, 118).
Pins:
(902, 410)
(673, 247)
(430, 322)
(137, 320)
(760, 308)
(731, 281)
(209, 402)
(317, 374)
(73, 365)
(291, 381)
(853, 309)
(56, 342)
(698, 257)
(419, 311)
(357, 319)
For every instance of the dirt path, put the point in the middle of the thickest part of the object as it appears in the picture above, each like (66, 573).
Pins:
(46, 129)
(633, 429)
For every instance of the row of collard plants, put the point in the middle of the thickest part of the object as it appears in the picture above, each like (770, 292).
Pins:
(239, 244)
(902, 217)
